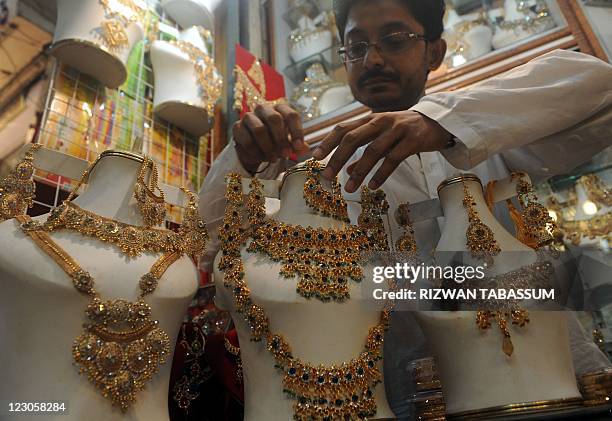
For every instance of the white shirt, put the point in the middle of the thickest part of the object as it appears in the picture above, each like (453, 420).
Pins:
(545, 117)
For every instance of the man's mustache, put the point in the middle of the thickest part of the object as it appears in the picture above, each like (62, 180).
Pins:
(377, 74)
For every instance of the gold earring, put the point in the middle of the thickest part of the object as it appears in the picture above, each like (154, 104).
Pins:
(329, 204)
(407, 242)
(17, 188)
(480, 239)
(152, 207)
(193, 227)
(535, 226)
(373, 206)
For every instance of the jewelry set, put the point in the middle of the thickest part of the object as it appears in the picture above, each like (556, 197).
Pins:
(536, 229)
(337, 391)
(121, 346)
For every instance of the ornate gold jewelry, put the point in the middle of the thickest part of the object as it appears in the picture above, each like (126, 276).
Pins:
(518, 317)
(536, 226)
(406, 243)
(152, 207)
(480, 239)
(235, 352)
(251, 93)
(193, 230)
(121, 347)
(113, 30)
(187, 389)
(599, 226)
(131, 239)
(210, 81)
(336, 391)
(596, 189)
(373, 206)
(324, 259)
(329, 204)
(17, 188)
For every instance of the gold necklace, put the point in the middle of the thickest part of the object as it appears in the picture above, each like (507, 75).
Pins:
(210, 82)
(323, 259)
(131, 239)
(319, 392)
(121, 347)
(596, 189)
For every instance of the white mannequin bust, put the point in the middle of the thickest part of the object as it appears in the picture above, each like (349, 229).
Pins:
(78, 41)
(312, 39)
(190, 12)
(478, 39)
(41, 312)
(319, 333)
(473, 370)
(177, 95)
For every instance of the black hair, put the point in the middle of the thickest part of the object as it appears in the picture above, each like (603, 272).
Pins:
(429, 13)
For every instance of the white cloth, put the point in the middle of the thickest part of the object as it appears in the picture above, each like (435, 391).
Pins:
(544, 117)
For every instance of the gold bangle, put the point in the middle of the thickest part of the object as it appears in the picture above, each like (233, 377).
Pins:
(459, 179)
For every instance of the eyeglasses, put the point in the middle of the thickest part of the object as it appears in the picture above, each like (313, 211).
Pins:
(389, 44)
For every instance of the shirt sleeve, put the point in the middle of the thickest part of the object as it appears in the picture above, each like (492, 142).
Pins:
(212, 194)
(556, 109)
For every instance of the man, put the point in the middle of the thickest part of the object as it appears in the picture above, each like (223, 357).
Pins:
(545, 118)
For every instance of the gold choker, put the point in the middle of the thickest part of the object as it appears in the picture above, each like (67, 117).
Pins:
(131, 239)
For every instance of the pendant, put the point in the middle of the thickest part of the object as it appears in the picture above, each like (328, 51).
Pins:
(120, 349)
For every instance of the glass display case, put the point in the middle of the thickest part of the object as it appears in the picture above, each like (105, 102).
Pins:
(485, 38)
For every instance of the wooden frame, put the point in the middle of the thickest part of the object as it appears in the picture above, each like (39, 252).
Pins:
(578, 34)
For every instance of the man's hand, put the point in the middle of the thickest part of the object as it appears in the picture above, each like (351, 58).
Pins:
(267, 134)
(390, 135)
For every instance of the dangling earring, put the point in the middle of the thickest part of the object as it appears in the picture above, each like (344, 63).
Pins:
(480, 239)
(193, 227)
(406, 243)
(535, 220)
(373, 206)
(17, 188)
(152, 207)
(330, 204)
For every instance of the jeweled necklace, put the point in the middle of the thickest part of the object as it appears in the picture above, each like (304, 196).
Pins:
(319, 392)
(323, 259)
(121, 347)
(131, 239)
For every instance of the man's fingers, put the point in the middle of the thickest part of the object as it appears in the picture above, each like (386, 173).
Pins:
(389, 165)
(376, 150)
(347, 146)
(260, 136)
(249, 153)
(334, 137)
(275, 124)
(293, 122)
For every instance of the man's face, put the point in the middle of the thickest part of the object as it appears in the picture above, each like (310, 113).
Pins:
(393, 81)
